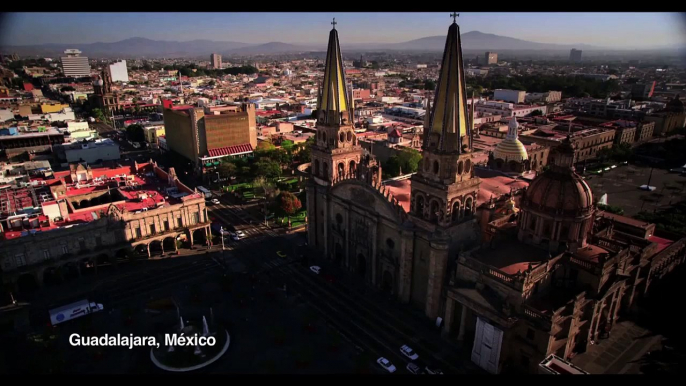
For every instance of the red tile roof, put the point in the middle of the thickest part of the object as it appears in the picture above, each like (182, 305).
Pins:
(661, 243)
(230, 150)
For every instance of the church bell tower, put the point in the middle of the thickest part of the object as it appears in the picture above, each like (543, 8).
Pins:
(444, 190)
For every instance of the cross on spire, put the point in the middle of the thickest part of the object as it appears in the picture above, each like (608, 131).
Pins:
(333, 23)
(454, 15)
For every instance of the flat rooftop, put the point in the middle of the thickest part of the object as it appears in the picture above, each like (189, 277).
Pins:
(510, 256)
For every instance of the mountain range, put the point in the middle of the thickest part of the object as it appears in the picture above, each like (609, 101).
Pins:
(138, 47)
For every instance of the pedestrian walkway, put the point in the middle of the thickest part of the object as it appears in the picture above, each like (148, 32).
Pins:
(619, 353)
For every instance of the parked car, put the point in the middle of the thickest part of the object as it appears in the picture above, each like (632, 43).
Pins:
(386, 364)
(414, 369)
(215, 201)
(408, 352)
(281, 254)
(315, 269)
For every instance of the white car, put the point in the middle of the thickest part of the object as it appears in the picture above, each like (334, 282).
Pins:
(215, 201)
(386, 364)
(315, 269)
(408, 352)
(240, 234)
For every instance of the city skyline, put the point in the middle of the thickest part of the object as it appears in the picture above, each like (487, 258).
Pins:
(604, 30)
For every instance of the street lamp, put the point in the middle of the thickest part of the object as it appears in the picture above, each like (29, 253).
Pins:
(218, 179)
(221, 234)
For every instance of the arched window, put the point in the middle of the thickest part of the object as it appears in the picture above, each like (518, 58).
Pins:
(341, 169)
(455, 212)
(468, 207)
(326, 171)
(433, 213)
(324, 137)
(350, 137)
(419, 205)
(341, 137)
(339, 219)
(351, 167)
(435, 167)
(467, 166)
(316, 167)
(460, 167)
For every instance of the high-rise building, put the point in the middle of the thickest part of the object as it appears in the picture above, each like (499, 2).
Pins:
(216, 61)
(75, 65)
(491, 58)
(204, 135)
(575, 55)
(119, 72)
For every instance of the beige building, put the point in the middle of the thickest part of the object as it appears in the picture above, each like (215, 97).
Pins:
(95, 217)
(205, 135)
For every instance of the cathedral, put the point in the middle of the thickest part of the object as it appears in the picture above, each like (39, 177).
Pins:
(541, 273)
(356, 221)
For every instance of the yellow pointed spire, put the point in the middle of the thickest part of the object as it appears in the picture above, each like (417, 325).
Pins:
(334, 104)
(449, 117)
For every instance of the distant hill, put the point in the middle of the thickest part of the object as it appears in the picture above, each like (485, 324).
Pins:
(269, 48)
(475, 40)
(146, 48)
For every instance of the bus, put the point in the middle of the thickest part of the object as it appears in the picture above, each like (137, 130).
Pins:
(206, 192)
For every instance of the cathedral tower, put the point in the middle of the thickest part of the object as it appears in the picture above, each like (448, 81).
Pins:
(336, 152)
(444, 189)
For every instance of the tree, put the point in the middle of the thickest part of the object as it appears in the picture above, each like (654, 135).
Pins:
(265, 146)
(429, 85)
(135, 133)
(98, 114)
(408, 160)
(227, 169)
(305, 154)
(133, 83)
(287, 145)
(267, 168)
(288, 203)
(392, 166)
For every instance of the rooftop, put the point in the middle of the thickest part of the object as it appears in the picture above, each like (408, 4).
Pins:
(511, 256)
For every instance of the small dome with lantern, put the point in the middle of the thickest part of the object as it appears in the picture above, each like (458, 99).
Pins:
(511, 148)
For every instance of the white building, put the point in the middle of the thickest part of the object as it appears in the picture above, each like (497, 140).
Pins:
(75, 65)
(514, 96)
(66, 114)
(507, 109)
(118, 72)
(92, 151)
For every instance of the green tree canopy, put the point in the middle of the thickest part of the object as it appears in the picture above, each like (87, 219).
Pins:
(392, 167)
(287, 145)
(267, 168)
(227, 169)
(429, 85)
(135, 133)
(408, 160)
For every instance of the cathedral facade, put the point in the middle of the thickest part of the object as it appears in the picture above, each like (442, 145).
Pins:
(355, 220)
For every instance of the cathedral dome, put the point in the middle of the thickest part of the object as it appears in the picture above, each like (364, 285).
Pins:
(555, 192)
(511, 148)
(560, 190)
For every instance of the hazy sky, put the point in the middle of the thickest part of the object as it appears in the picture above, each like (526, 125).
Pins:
(626, 30)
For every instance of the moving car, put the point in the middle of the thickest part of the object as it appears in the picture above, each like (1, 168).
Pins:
(386, 364)
(315, 269)
(414, 369)
(281, 254)
(215, 201)
(433, 371)
(408, 352)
